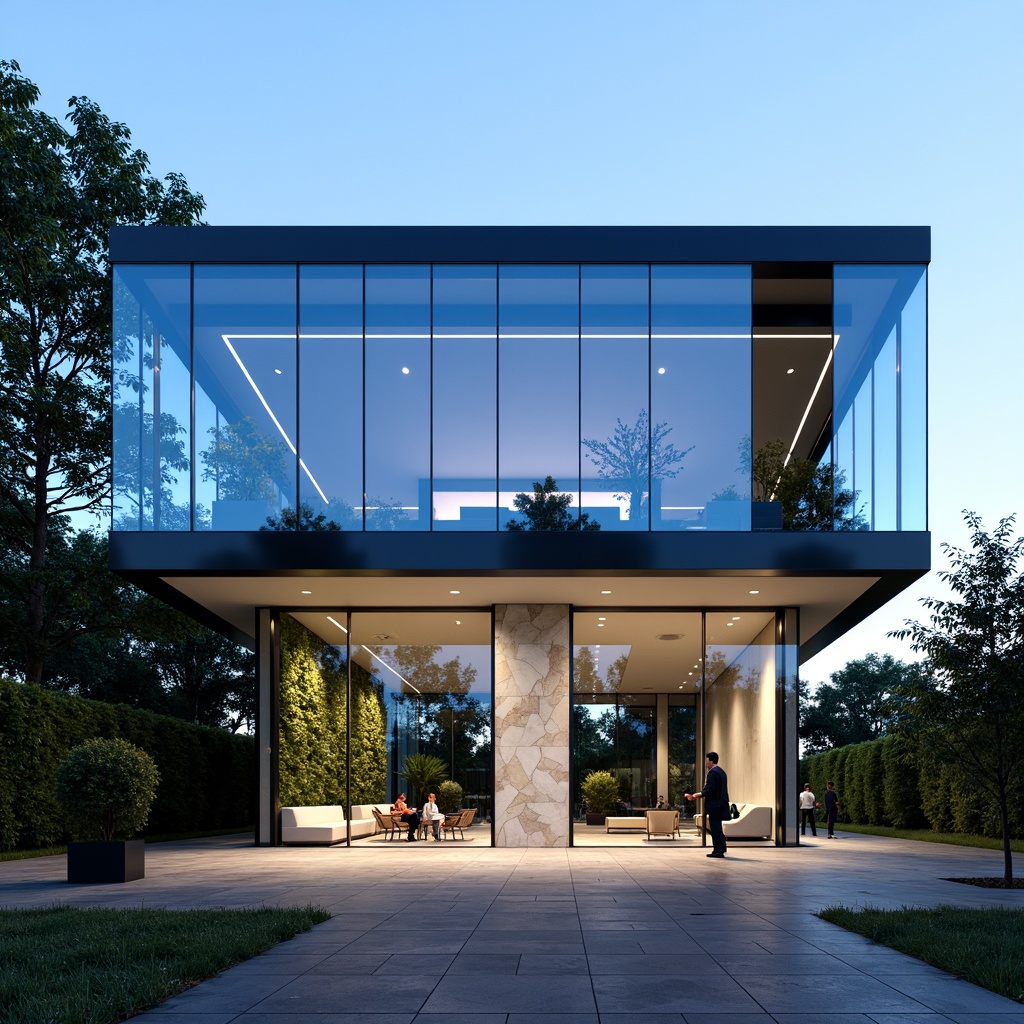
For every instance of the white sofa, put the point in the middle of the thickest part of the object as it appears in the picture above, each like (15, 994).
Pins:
(326, 823)
(754, 822)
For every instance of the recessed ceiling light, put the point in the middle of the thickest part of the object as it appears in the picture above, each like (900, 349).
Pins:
(735, 618)
(790, 370)
(680, 686)
(405, 369)
(689, 673)
(458, 622)
(454, 591)
(753, 591)
(602, 618)
(605, 591)
(730, 623)
(661, 369)
(307, 591)
(277, 371)
(600, 625)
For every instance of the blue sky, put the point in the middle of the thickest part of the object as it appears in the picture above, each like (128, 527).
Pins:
(609, 113)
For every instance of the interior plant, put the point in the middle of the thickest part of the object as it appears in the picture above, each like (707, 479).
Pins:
(601, 794)
(423, 774)
(105, 788)
(449, 797)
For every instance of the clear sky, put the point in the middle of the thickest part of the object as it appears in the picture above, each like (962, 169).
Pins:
(555, 112)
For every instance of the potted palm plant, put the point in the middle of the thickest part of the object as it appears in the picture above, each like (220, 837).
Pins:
(423, 774)
(105, 789)
(601, 794)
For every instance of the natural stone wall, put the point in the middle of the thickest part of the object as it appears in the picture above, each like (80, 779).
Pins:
(531, 720)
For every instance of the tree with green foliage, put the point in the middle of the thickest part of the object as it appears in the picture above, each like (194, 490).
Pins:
(856, 705)
(634, 456)
(62, 192)
(106, 788)
(547, 509)
(967, 712)
(813, 495)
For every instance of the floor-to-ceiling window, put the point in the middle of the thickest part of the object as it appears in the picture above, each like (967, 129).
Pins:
(636, 680)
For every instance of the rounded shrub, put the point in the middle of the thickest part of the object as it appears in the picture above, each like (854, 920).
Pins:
(449, 797)
(601, 792)
(106, 788)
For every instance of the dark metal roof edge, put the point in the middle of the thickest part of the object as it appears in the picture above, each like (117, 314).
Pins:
(511, 244)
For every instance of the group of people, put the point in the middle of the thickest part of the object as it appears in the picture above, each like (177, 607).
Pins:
(430, 815)
(809, 805)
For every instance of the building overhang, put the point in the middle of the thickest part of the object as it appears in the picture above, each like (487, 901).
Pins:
(835, 579)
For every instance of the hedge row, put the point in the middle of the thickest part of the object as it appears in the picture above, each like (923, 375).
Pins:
(207, 776)
(885, 782)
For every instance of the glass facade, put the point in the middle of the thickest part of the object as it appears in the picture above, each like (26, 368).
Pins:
(522, 396)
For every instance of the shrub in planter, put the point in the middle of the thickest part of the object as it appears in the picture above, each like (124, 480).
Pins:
(105, 789)
(601, 792)
(449, 797)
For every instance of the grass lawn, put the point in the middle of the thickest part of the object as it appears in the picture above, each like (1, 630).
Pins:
(98, 966)
(926, 835)
(985, 947)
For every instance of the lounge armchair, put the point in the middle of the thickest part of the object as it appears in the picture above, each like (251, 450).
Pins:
(662, 823)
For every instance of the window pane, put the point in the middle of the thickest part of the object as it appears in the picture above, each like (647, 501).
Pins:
(245, 379)
(872, 304)
(397, 398)
(913, 409)
(331, 396)
(151, 381)
(614, 375)
(740, 694)
(437, 691)
(700, 397)
(538, 405)
(465, 398)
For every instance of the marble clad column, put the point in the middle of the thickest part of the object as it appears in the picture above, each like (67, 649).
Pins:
(531, 725)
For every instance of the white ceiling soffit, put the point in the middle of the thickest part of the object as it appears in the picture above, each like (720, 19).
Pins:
(233, 599)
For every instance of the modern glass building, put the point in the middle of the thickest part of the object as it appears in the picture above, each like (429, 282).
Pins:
(530, 500)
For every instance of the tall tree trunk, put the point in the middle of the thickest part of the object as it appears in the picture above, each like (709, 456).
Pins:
(1004, 824)
(35, 642)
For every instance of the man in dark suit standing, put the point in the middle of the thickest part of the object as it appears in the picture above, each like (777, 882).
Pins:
(715, 795)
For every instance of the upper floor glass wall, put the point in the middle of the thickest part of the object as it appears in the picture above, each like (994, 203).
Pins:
(492, 397)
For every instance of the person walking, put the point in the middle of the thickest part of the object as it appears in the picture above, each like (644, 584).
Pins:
(715, 795)
(831, 808)
(807, 808)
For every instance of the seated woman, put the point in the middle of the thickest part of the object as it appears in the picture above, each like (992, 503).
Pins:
(400, 809)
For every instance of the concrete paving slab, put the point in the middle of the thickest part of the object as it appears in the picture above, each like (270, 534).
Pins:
(593, 935)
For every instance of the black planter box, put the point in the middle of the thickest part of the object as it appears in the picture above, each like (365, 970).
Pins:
(595, 819)
(103, 861)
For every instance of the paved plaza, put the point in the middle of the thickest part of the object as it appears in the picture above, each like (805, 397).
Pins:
(460, 933)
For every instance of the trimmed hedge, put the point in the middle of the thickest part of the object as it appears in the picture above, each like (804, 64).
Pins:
(885, 782)
(207, 775)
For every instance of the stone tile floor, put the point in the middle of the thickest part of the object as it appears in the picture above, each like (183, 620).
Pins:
(459, 933)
